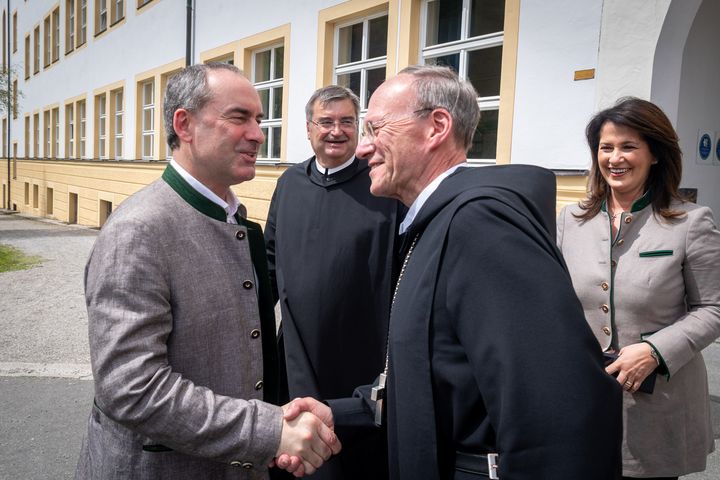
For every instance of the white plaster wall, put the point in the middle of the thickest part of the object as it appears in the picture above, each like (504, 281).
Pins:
(699, 102)
(629, 35)
(551, 109)
(155, 36)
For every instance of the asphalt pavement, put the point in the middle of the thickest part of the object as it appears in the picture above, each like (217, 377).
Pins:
(45, 380)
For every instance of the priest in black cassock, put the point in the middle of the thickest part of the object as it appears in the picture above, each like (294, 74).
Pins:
(330, 247)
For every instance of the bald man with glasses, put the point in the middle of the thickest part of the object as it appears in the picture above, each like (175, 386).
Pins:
(330, 247)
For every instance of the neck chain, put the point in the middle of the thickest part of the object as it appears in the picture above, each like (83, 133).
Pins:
(378, 392)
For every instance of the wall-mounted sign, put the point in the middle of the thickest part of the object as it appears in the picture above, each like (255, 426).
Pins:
(716, 159)
(704, 148)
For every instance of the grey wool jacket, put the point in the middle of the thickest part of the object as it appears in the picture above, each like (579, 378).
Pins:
(176, 344)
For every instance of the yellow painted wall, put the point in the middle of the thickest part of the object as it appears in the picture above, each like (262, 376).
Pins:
(109, 181)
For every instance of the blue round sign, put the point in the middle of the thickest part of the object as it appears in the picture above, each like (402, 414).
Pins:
(705, 146)
(717, 149)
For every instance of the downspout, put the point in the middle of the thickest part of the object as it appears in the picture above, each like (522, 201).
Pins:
(9, 102)
(188, 32)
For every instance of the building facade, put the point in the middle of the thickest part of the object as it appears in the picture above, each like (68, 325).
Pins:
(88, 76)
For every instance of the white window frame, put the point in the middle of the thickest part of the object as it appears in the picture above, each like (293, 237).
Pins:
(56, 34)
(102, 120)
(82, 28)
(70, 7)
(462, 46)
(48, 129)
(364, 64)
(269, 123)
(102, 16)
(70, 134)
(148, 131)
(117, 99)
(55, 116)
(118, 11)
(82, 116)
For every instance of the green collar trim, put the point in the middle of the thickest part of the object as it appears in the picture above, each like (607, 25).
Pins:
(637, 205)
(192, 196)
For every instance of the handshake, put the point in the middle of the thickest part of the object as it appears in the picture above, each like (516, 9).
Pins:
(308, 438)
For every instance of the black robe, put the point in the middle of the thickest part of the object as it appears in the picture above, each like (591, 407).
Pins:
(331, 249)
(489, 349)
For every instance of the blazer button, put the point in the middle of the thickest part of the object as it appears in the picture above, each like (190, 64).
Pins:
(621, 241)
(247, 284)
(604, 308)
(613, 263)
(259, 385)
(255, 333)
(240, 235)
(247, 465)
(628, 219)
(606, 330)
(605, 286)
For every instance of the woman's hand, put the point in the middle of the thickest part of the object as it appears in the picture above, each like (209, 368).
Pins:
(633, 365)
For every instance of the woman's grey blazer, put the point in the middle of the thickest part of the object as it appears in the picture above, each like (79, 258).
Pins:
(657, 281)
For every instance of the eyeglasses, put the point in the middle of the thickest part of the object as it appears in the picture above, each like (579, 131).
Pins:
(325, 125)
(370, 129)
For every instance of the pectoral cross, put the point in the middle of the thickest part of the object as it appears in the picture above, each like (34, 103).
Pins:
(377, 394)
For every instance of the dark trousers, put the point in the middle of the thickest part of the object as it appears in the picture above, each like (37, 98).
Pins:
(653, 478)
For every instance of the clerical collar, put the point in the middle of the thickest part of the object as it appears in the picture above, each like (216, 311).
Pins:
(424, 195)
(330, 171)
(230, 207)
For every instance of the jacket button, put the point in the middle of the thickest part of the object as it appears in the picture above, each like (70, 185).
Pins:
(259, 385)
(605, 286)
(255, 333)
(621, 241)
(628, 219)
(247, 465)
(604, 308)
(613, 263)
(247, 284)
(606, 330)
(240, 235)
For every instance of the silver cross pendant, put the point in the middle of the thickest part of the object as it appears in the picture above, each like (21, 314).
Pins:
(377, 394)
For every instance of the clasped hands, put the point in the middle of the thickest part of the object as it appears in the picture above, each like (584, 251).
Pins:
(308, 438)
(633, 365)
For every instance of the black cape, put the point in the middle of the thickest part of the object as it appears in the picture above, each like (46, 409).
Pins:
(331, 247)
(489, 349)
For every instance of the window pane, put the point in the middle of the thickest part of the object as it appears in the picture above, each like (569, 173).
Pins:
(452, 61)
(265, 100)
(486, 16)
(147, 145)
(148, 93)
(276, 133)
(484, 70)
(118, 125)
(262, 66)
(262, 153)
(444, 21)
(377, 42)
(279, 59)
(484, 144)
(351, 81)
(374, 79)
(350, 43)
(118, 147)
(277, 103)
(147, 119)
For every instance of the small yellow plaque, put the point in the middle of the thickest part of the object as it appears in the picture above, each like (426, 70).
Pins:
(584, 74)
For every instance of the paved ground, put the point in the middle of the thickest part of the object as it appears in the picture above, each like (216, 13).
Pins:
(45, 392)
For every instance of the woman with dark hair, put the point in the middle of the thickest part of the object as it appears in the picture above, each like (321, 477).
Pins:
(645, 264)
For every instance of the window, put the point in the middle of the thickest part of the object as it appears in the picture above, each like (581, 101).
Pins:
(14, 105)
(101, 16)
(101, 127)
(118, 11)
(69, 26)
(267, 68)
(4, 42)
(4, 137)
(70, 131)
(361, 55)
(82, 121)
(117, 123)
(36, 49)
(36, 135)
(14, 32)
(27, 136)
(48, 133)
(148, 119)
(56, 35)
(56, 132)
(82, 27)
(467, 35)
(27, 57)
(142, 3)
(48, 42)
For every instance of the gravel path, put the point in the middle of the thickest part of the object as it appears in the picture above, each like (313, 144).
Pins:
(42, 310)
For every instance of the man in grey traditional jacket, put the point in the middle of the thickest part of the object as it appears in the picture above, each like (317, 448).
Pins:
(181, 326)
